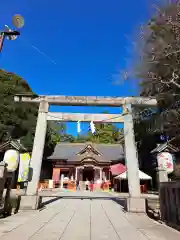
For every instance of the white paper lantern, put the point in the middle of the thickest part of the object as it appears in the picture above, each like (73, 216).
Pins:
(165, 161)
(11, 158)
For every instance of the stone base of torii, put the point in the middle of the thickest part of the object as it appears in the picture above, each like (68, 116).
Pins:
(134, 203)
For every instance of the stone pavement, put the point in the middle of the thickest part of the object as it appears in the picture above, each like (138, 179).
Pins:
(143, 195)
(83, 219)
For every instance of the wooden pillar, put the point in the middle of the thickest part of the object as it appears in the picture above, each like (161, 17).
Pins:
(76, 173)
(56, 175)
(103, 175)
(100, 169)
(95, 174)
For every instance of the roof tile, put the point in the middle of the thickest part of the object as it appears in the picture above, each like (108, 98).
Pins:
(67, 150)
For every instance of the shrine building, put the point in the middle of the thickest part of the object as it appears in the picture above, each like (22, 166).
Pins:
(82, 161)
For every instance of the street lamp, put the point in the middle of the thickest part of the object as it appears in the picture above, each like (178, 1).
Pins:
(18, 22)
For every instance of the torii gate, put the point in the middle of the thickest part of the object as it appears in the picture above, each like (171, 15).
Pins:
(134, 203)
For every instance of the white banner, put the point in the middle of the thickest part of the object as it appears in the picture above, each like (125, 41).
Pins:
(92, 126)
(11, 157)
(78, 127)
(24, 167)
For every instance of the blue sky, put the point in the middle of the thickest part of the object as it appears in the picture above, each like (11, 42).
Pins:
(90, 42)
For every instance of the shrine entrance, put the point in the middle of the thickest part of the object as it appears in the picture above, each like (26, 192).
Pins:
(134, 203)
(88, 174)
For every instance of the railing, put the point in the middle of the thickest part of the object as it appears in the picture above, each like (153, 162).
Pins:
(170, 203)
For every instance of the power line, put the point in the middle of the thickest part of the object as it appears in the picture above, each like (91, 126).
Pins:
(42, 53)
(38, 50)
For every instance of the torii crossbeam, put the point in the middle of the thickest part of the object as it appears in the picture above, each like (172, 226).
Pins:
(86, 100)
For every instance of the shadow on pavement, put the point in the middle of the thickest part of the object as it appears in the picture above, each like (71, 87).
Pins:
(54, 199)
(122, 202)
(116, 200)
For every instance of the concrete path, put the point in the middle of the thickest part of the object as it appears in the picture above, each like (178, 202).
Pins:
(86, 219)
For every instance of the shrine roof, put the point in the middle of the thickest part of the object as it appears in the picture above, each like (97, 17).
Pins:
(69, 151)
(165, 147)
(83, 157)
(12, 144)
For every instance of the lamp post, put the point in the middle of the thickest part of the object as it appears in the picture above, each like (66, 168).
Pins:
(9, 34)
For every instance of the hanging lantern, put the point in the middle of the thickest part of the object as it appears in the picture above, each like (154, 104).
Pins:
(11, 158)
(166, 161)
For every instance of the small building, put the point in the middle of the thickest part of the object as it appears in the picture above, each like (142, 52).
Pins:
(82, 161)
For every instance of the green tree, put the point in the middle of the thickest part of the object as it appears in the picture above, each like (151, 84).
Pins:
(105, 133)
(18, 120)
(81, 138)
(59, 133)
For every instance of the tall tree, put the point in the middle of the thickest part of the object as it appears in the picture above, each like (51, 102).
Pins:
(158, 70)
(159, 66)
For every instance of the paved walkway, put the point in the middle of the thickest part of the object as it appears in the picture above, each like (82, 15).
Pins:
(86, 219)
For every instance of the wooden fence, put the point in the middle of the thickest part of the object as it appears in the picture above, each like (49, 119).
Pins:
(170, 203)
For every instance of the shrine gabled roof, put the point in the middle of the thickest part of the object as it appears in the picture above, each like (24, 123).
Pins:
(165, 147)
(85, 156)
(12, 144)
(66, 151)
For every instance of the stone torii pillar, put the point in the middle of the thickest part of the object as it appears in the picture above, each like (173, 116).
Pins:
(32, 200)
(134, 203)
(38, 148)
